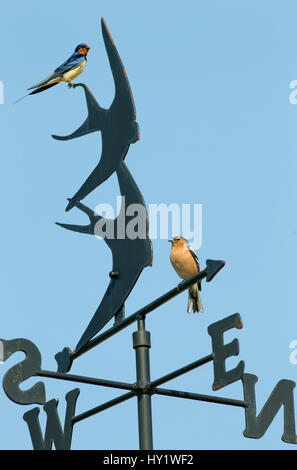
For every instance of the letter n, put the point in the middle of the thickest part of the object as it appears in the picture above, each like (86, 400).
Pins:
(282, 394)
(53, 431)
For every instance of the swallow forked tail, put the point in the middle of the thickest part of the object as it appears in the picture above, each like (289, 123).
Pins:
(37, 91)
(194, 300)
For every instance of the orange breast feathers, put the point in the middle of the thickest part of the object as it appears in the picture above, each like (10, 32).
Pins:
(183, 262)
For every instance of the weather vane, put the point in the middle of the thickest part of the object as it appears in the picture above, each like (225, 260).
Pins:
(130, 255)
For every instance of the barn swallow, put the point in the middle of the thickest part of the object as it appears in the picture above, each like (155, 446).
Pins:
(185, 262)
(66, 72)
(117, 124)
(130, 255)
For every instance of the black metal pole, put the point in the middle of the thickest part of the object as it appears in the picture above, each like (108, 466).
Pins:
(182, 370)
(200, 397)
(103, 407)
(86, 380)
(141, 344)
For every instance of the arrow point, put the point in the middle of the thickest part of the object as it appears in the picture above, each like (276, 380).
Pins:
(213, 267)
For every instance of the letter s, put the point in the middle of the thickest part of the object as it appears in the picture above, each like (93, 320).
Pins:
(22, 371)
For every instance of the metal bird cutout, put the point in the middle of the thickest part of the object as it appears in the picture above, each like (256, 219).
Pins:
(117, 124)
(129, 256)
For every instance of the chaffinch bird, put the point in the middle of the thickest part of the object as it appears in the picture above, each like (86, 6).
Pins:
(185, 262)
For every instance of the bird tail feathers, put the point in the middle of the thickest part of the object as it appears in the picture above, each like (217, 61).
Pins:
(194, 300)
(42, 88)
(46, 80)
(37, 91)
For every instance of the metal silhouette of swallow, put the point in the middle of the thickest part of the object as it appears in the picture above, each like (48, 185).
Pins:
(117, 124)
(130, 255)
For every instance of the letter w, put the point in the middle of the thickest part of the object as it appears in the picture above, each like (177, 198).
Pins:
(53, 430)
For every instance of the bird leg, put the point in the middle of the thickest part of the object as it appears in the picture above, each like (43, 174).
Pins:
(70, 85)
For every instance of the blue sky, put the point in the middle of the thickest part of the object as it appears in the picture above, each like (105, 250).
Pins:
(210, 80)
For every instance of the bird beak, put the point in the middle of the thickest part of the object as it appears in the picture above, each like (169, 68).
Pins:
(170, 240)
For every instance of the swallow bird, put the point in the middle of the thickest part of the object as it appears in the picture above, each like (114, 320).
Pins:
(185, 262)
(117, 124)
(68, 71)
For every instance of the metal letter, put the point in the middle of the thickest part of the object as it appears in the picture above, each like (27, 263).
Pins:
(22, 371)
(222, 351)
(282, 394)
(53, 430)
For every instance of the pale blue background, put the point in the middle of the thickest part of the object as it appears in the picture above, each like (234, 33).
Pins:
(210, 81)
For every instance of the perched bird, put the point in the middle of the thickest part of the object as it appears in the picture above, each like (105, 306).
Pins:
(185, 262)
(66, 72)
